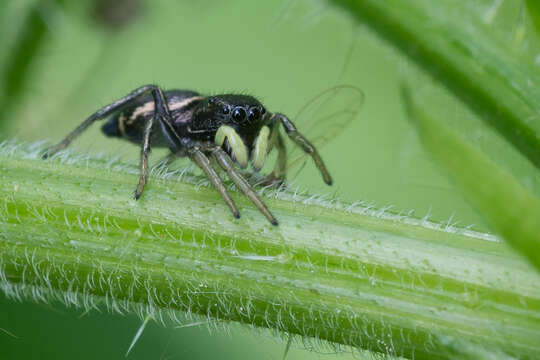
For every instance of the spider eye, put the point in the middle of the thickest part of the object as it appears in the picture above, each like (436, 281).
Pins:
(263, 110)
(239, 114)
(211, 100)
(253, 114)
(225, 109)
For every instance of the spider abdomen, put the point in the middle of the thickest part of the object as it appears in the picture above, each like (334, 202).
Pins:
(129, 122)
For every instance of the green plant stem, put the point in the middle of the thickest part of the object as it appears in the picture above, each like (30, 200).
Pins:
(69, 228)
(449, 39)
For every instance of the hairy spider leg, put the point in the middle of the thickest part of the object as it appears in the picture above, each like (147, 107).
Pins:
(145, 151)
(226, 164)
(301, 141)
(198, 157)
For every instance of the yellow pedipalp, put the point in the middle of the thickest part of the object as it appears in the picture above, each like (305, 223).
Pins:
(260, 148)
(238, 148)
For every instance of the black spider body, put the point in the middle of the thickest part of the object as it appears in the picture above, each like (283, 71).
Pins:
(192, 115)
(234, 130)
(129, 122)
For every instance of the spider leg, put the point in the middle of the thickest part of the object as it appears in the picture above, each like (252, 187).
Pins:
(103, 113)
(145, 151)
(198, 157)
(301, 141)
(174, 141)
(161, 112)
(226, 164)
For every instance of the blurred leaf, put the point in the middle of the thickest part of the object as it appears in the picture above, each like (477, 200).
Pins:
(508, 207)
(533, 9)
(449, 39)
(30, 41)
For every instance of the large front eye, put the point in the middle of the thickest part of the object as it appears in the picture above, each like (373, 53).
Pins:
(253, 114)
(239, 114)
(225, 109)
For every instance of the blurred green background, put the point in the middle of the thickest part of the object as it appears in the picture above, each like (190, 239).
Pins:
(283, 52)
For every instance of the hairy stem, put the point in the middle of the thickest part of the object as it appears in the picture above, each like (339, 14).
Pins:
(70, 229)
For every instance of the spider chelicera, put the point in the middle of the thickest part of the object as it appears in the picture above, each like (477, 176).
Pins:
(232, 129)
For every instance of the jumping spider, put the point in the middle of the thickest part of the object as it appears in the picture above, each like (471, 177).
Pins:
(229, 128)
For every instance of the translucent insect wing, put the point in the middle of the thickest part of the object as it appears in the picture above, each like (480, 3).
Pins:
(325, 117)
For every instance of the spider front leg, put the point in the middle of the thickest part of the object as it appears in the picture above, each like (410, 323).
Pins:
(226, 164)
(198, 157)
(301, 141)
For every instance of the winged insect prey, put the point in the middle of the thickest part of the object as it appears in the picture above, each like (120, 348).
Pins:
(234, 130)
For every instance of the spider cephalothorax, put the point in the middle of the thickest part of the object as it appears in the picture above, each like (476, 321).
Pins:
(237, 123)
(228, 128)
